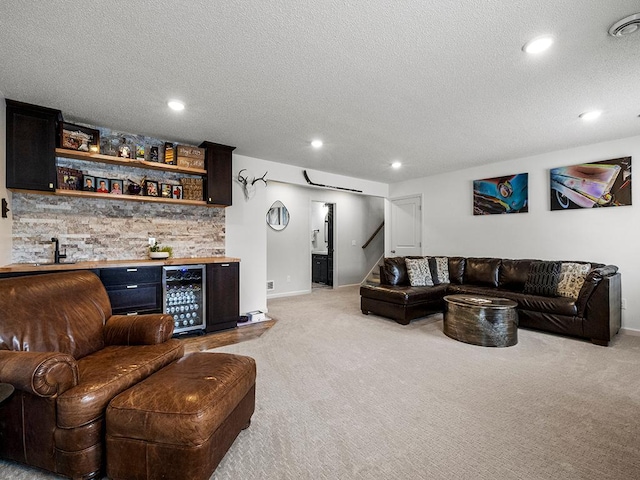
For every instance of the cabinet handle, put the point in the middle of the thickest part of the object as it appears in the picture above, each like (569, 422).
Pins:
(224, 264)
(132, 269)
(132, 286)
(132, 313)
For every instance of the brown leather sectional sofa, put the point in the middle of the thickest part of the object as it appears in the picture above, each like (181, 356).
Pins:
(68, 357)
(594, 315)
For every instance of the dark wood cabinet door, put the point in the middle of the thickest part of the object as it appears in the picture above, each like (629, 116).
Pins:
(218, 163)
(31, 145)
(223, 295)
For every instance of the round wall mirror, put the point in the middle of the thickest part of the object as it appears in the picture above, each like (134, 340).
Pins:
(278, 216)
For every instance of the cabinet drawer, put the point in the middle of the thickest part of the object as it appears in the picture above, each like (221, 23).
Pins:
(135, 298)
(130, 275)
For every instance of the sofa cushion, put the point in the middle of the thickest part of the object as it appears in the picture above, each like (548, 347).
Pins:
(394, 271)
(482, 271)
(419, 272)
(542, 278)
(106, 373)
(513, 274)
(536, 303)
(404, 295)
(456, 269)
(572, 276)
(439, 267)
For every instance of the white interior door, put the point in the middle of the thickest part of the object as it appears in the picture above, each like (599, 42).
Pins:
(406, 226)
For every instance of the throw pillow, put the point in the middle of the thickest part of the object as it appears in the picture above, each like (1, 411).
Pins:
(543, 279)
(439, 269)
(571, 278)
(419, 273)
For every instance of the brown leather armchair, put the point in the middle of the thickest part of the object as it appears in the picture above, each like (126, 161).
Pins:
(67, 356)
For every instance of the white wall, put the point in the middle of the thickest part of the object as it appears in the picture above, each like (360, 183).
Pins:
(289, 250)
(5, 223)
(246, 228)
(605, 235)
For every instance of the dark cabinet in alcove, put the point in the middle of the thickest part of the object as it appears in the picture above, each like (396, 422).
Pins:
(31, 145)
(223, 295)
(319, 269)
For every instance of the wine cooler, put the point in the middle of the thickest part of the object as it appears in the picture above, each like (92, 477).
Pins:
(184, 297)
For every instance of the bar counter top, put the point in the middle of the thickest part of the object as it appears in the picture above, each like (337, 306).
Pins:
(93, 264)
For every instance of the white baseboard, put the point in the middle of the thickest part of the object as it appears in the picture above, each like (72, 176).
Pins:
(288, 294)
(630, 331)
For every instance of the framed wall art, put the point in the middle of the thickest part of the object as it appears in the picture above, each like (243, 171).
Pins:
(497, 195)
(588, 185)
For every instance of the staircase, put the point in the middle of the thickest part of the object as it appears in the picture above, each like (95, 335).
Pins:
(373, 278)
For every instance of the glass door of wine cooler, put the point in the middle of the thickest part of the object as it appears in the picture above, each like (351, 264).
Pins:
(184, 298)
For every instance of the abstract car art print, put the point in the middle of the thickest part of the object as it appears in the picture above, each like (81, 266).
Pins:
(589, 185)
(508, 194)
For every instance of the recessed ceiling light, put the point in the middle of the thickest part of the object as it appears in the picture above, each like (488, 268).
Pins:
(396, 165)
(316, 143)
(176, 105)
(538, 44)
(626, 26)
(592, 115)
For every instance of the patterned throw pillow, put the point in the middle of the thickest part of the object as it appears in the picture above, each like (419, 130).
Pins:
(572, 277)
(439, 269)
(543, 279)
(419, 273)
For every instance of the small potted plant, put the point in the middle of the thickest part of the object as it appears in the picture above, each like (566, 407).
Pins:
(160, 251)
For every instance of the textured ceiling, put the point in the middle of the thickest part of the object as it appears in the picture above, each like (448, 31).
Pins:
(440, 85)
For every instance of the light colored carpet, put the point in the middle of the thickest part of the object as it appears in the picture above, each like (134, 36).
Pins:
(341, 395)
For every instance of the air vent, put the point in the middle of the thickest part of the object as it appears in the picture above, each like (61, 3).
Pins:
(271, 285)
(626, 26)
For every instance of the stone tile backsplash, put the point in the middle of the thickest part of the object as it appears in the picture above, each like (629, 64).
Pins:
(106, 229)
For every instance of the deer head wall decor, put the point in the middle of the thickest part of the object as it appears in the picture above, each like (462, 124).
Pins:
(249, 186)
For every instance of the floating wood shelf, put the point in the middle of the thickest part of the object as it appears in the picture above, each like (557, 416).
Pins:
(127, 162)
(134, 198)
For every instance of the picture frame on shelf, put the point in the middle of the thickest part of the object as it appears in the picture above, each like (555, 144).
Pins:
(151, 188)
(102, 185)
(177, 192)
(89, 183)
(154, 154)
(116, 187)
(140, 152)
(166, 190)
(125, 151)
(79, 138)
(69, 178)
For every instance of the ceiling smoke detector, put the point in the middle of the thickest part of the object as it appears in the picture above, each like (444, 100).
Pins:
(626, 26)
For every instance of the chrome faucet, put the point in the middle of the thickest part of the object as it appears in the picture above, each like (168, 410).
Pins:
(56, 254)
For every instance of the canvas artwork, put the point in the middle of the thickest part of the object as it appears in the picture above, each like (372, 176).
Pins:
(508, 194)
(588, 185)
